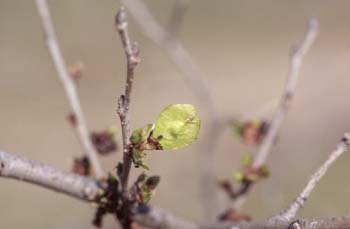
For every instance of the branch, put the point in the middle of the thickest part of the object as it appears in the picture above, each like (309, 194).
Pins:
(161, 219)
(17, 167)
(288, 94)
(132, 57)
(177, 15)
(69, 87)
(196, 80)
(341, 222)
(289, 213)
(293, 75)
(87, 189)
(176, 51)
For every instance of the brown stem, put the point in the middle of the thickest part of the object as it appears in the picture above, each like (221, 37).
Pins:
(132, 57)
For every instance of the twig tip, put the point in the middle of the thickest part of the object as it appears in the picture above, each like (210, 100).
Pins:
(313, 23)
(120, 18)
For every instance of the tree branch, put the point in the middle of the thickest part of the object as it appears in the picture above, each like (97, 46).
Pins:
(176, 51)
(17, 167)
(341, 222)
(177, 15)
(196, 80)
(69, 86)
(288, 94)
(158, 218)
(132, 57)
(292, 78)
(87, 189)
(289, 213)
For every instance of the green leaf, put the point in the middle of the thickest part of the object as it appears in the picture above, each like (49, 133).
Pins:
(176, 126)
(138, 157)
(146, 194)
(148, 188)
(140, 135)
(152, 182)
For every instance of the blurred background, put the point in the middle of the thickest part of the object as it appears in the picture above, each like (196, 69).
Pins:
(242, 47)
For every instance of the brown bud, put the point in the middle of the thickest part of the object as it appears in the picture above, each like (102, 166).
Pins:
(82, 166)
(75, 71)
(72, 119)
(253, 132)
(104, 142)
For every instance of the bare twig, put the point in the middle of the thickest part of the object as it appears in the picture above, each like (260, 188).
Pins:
(69, 86)
(291, 211)
(87, 189)
(132, 57)
(196, 80)
(176, 51)
(293, 75)
(177, 16)
(292, 78)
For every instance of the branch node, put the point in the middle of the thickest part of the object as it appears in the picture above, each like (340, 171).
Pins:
(297, 224)
(346, 139)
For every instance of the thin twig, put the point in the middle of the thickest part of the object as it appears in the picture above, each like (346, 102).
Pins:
(176, 51)
(69, 86)
(289, 213)
(177, 15)
(196, 80)
(132, 57)
(293, 75)
(288, 94)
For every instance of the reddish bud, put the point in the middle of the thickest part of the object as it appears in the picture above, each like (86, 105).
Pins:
(104, 142)
(82, 166)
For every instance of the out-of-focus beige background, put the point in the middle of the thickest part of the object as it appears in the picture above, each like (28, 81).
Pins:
(243, 48)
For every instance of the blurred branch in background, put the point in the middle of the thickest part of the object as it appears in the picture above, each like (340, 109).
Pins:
(177, 16)
(290, 213)
(78, 119)
(292, 79)
(288, 94)
(176, 51)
